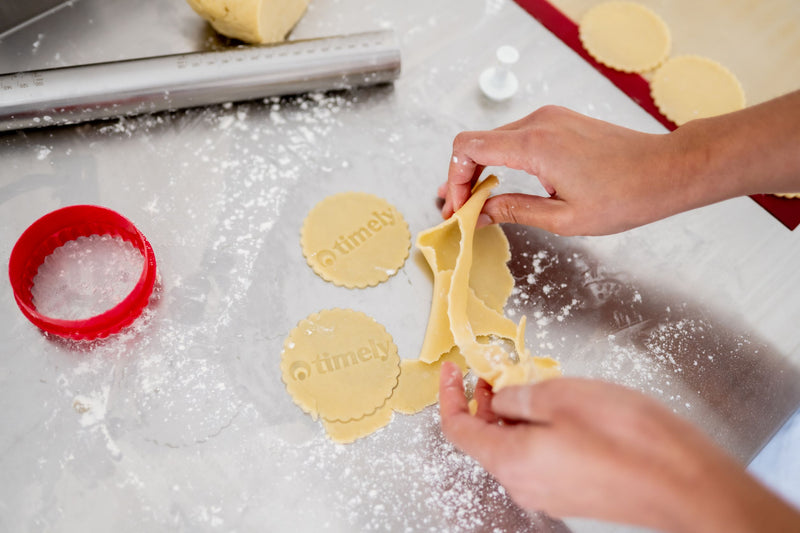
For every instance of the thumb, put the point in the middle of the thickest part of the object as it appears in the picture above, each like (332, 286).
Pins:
(550, 214)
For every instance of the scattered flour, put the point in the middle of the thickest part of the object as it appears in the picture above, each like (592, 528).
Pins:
(86, 277)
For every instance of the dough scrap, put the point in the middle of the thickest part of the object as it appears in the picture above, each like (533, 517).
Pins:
(355, 239)
(490, 282)
(340, 364)
(419, 382)
(533, 369)
(625, 36)
(457, 314)
(252, 21)
(691, 87)
(490, 277)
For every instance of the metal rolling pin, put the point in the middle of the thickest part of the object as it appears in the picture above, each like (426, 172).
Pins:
(103, 90)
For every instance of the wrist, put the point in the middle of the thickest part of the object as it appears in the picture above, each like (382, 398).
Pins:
(723, 497)
(746, 152)
(709, 159)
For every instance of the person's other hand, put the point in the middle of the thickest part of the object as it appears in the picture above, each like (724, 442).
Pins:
(602, 178)
(578, 447)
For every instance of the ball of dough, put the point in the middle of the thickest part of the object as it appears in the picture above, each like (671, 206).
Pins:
(252, 21)
(625, 36)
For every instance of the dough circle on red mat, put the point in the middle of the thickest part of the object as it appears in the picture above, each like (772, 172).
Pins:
(625, 36)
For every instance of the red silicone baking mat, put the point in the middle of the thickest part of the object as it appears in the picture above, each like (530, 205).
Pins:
(786, 210)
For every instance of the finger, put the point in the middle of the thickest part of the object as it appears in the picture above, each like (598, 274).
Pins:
(545, 114)
(522, 123)
(475, 150)
(452, 400)
(483, 395)
(471, 434)
(526, 403)
(551, 214)
(457, 192)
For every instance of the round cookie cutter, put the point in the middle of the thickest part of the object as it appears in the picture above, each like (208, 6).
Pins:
(59, 227)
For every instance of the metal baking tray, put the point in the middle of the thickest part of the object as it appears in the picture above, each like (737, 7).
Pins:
(183, 423)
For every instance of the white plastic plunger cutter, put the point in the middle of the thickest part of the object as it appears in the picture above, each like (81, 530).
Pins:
(498, 82)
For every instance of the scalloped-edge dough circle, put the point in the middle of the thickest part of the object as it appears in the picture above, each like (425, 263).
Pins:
(625, 36)
(347, 432)
(340, 364)
(787, 194)
(691, 87)
(355, 239)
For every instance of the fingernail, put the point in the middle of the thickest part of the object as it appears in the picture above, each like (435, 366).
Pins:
(484, 220)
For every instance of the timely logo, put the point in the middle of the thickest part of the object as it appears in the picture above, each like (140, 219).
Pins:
(300, 370)
(346, 244)
(326, 363)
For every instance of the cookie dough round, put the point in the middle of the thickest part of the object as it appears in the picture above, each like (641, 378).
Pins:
(355, 239)
(347, 432)
(340, 364)
(625, 36)
(690, 87)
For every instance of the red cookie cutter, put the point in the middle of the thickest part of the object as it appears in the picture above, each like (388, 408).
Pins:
(58, 228)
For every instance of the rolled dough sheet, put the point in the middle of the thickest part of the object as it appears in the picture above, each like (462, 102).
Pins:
(457, 314)
(490, 285)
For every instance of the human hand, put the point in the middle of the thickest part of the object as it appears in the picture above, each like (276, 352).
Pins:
(602, 178)
(578, 447)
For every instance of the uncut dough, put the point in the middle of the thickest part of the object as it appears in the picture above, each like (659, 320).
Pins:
(419, 382)
(355, 239)
(339, 350)
(691, 87)
(252, 21)
(458, 316)
(625, 36)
